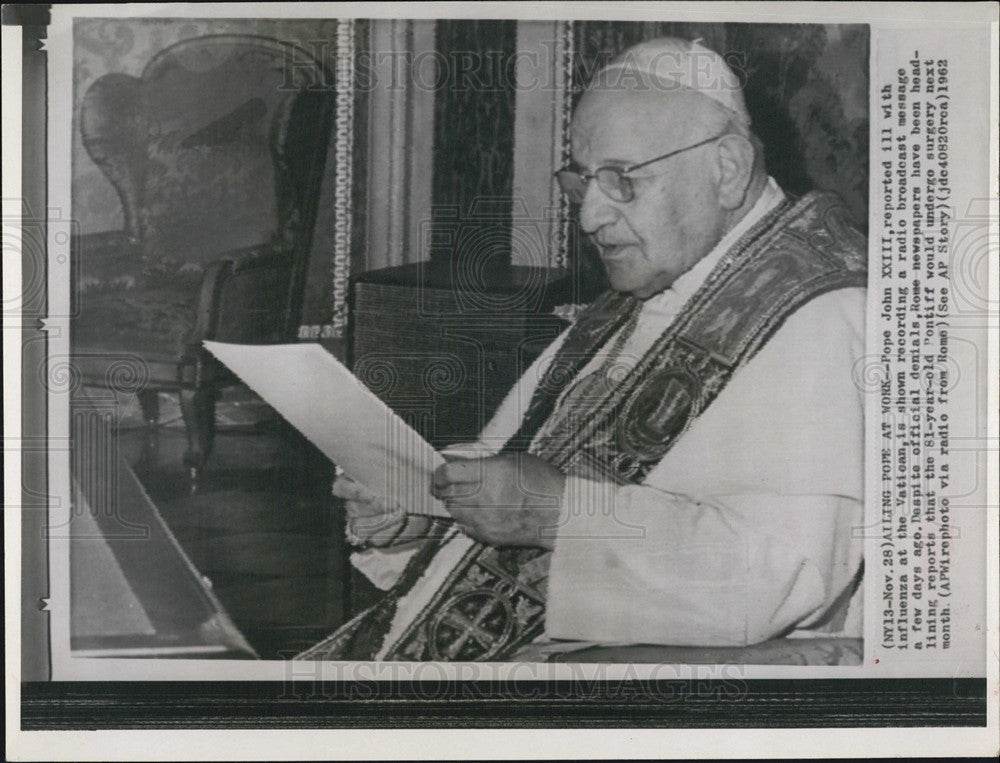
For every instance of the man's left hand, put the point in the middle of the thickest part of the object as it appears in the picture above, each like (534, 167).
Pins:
(503, 500)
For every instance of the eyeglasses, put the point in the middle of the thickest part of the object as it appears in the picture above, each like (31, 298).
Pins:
(613, 181)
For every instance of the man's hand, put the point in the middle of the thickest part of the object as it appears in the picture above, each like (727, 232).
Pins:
(503, 500)
(369, 520)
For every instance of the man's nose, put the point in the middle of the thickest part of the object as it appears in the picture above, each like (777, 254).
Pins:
(596, 209)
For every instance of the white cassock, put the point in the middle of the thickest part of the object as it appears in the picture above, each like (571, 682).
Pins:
(747, 526)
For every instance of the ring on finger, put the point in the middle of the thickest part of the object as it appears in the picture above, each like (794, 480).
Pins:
(352, 537)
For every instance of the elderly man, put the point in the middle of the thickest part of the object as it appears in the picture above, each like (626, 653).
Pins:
(683, 466)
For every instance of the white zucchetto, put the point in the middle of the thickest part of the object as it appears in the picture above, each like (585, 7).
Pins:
(671, 63)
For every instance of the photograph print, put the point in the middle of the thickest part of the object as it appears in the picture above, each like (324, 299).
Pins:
(600, 288)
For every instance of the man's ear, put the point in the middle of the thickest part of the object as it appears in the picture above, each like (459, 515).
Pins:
(736, 161)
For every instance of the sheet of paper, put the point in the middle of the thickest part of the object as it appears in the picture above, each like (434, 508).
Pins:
(321, 398)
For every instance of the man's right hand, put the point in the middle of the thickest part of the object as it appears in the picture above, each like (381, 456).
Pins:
(369, 520)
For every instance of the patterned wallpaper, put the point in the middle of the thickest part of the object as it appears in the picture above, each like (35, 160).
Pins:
(103, 46)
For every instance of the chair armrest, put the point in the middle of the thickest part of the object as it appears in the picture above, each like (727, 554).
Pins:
(190, 365)
(254, 301)
(243, 298)
(206, 315)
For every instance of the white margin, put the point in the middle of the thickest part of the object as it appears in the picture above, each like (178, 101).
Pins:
(477, 744)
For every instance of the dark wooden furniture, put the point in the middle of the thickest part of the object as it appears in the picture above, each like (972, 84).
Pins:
(216, 152)
(442, 351)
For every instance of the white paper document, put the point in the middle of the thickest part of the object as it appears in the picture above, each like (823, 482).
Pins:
(321, 398)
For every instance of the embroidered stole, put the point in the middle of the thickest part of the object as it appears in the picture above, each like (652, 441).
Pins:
(459, 600)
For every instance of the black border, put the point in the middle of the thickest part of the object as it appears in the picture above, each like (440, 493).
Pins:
(799, 703)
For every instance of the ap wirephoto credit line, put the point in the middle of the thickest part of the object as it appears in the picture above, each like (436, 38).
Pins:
(395, 366)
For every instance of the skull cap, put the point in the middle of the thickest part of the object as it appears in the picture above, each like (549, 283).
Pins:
(671, 63)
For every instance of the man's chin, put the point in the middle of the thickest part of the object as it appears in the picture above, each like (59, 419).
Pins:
(628, 279)
(640, 288)
(641, 291)
(622, 279)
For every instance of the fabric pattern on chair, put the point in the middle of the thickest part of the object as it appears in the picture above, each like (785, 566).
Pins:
(216, 153)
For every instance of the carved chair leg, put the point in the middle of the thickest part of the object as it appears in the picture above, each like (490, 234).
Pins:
(149, 406)
(149, 403)
(198, 408)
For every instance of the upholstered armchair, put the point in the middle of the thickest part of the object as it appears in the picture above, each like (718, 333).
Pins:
(216, 152)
